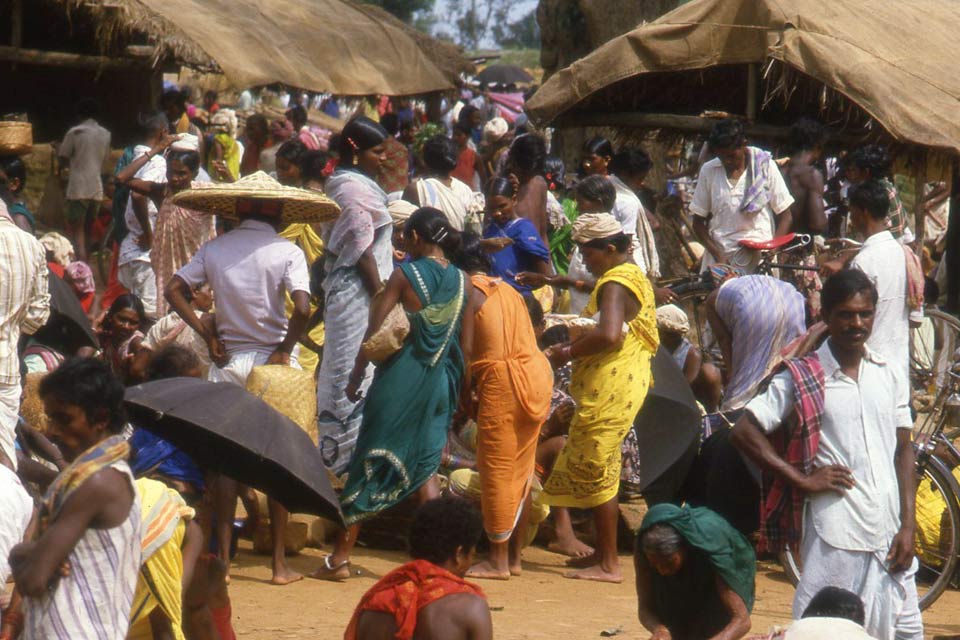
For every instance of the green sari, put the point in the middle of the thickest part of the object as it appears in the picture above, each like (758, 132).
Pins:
(412, 399)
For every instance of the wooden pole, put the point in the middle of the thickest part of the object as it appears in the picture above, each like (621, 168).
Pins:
(919, 212)
(70, 60)
(752, 86)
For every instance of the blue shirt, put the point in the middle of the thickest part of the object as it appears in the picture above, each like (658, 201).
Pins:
(523, 255)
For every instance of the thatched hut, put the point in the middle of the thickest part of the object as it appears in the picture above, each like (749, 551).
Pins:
(847, 62)
(61, 50)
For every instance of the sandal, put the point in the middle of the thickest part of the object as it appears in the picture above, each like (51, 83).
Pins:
(331, 570)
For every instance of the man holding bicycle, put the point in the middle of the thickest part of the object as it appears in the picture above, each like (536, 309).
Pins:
(833, 434)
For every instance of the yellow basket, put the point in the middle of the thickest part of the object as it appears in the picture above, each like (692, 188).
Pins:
(290, 391)
(16, 138)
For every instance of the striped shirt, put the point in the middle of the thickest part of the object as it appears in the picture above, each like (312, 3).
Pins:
(24, 292)
(94, 601)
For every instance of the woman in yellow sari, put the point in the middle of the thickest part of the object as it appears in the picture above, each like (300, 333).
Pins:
(611, 375)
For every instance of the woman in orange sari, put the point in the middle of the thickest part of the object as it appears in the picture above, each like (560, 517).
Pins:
(513, 384)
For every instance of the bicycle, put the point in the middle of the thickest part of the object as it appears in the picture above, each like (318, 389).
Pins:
(937, 547)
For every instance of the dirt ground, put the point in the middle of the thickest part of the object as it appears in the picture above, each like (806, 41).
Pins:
(539, 604)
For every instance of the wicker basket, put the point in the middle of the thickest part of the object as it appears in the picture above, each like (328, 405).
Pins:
(290, 391)
(16, 138)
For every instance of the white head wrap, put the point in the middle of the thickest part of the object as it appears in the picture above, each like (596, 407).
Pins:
(186, 142)
(670, 317)
(495, 129)
(401, 210)
(594, 226)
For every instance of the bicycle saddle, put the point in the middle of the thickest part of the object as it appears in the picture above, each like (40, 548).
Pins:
(768, 245)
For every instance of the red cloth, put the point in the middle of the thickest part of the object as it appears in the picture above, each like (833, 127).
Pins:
(466, 167)
(56, 268)
(221, 620)
(796, 441)
(393, 174)
(405, 591)
(114, 289)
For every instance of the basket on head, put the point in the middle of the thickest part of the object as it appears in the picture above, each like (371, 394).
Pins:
(16, 138)
(292, 204)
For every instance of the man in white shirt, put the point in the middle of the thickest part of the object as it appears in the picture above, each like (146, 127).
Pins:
(250, 269)
(740, 195)
(628, 170)
(84, 149)
(858, 520)
(24, 308)
(134, 269)
(883, 259)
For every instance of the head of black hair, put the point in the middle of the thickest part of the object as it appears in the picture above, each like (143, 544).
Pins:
(727, 134)
(440, 154)
(152, 122)
(292, 151)
(872, 197)
(358, 135)
(621, 242)
(297, 115)
(500, 186)
(873, 158)
(312, 165)
(806, 134)
(14, 169)
(89, 384)
(126, 301)
(528, 153)
(557, 334)
(391, 123)
(554, 170)
(535, 309)
(466, 113)
(462, 128)
(844, 285)
(834, 602)
(174, 97)
(210, 94)
(598, 189)
(470, 256)
(257, 120)
(190, 159)
(931, 290)
(598, 146)
(433, 227)
(88, 108)
(172, 361)
(441, 527)
(631, 161)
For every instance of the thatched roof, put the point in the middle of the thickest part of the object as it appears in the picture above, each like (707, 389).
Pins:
(856, 63)
(320, 45)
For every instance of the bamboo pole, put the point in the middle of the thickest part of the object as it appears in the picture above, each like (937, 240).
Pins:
(68, 60)
(752, 86)
(919, 181)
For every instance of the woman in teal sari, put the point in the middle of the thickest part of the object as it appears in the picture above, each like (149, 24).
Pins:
(414, 393)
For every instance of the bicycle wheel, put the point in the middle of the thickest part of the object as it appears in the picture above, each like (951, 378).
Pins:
(933, 348)
(938, 532)
(938, 529)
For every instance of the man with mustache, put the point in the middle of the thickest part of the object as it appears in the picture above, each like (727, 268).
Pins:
(832, 433)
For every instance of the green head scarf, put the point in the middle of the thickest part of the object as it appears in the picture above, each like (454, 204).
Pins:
(730, 553)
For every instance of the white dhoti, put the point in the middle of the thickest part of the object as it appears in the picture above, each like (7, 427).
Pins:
(9, 415)
(241, 364)
(890, 600)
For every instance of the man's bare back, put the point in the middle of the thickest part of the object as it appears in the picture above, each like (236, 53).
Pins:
(805, 182)
(461, 616)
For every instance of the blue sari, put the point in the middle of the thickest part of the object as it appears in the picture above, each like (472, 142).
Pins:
(412, 398)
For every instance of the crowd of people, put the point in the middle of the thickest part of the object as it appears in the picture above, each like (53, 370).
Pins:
(481, 326)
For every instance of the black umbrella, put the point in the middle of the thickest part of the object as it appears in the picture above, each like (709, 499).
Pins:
(68, 328)
(229, 431)
(668, 428)
(504, 74)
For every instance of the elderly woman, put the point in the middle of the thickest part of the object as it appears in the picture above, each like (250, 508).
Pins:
(439, 189)
(695, 575)
(225, 152)
(359, 258)
(611, 375)
(704, 377)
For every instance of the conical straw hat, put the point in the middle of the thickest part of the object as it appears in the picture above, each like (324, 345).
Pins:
(295, 205)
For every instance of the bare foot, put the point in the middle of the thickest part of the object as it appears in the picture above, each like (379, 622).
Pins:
(332, 572)
(597, 574)
(486, 571)
(571, 548)
(584, 561)
(285, 576)
(516, 569)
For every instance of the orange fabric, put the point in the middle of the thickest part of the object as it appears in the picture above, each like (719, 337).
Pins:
(514, 384)
(114, 289)
(405, 591)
